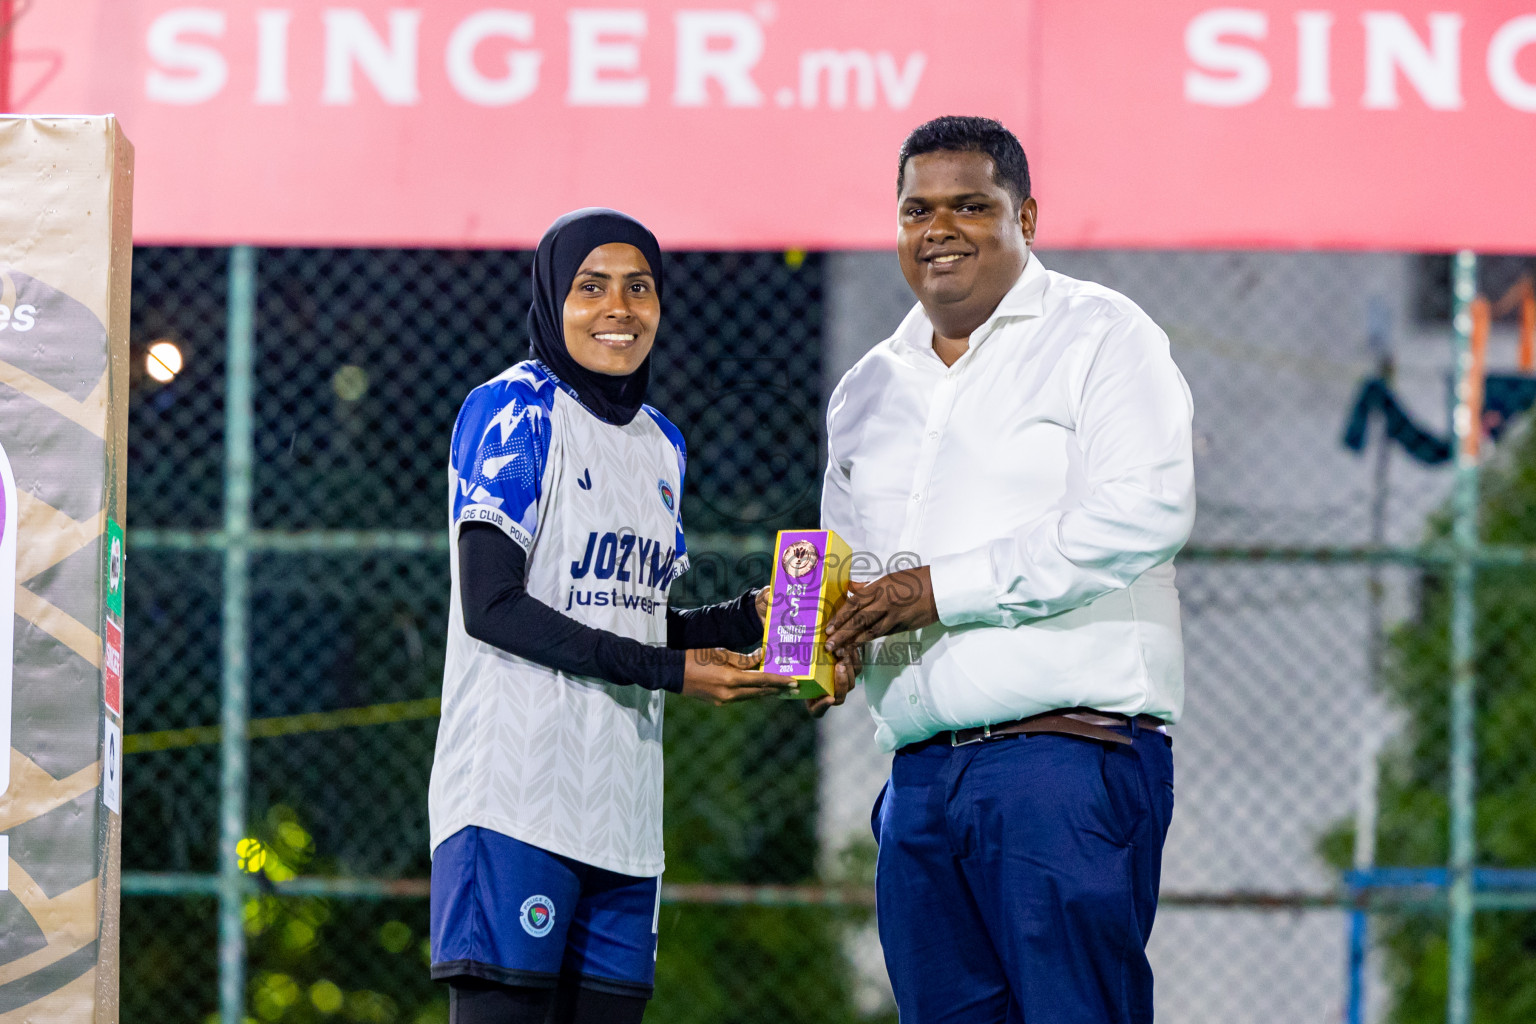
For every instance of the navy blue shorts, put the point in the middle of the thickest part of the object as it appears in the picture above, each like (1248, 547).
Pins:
(508, 912)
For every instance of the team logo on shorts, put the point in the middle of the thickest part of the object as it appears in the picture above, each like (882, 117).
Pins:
(538, 916)
(665, 490)
(800, 558)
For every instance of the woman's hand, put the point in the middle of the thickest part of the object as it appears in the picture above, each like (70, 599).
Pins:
(724, 677)
(764, 599)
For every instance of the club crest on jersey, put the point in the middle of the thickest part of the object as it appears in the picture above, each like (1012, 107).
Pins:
(665, 489)
(538, 916)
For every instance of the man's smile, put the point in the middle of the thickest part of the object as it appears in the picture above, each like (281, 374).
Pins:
(945, 259)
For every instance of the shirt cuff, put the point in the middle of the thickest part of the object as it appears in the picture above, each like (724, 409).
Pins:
(962, 587)
(629, 662)
(671, 675)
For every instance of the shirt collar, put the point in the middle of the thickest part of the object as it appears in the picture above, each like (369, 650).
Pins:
(1025, 299)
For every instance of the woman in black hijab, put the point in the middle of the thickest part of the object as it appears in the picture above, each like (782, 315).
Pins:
(545, 800)
(613, 396)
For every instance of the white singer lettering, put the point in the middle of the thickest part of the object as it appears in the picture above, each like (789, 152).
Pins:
(522, 75)
(272, 56)
(493, 58)
(351, 41)
(718, 46)
(1392, 47)
(605, 56)
(1404, 61)
(1503, 73)
(1242, 72)
(185, 71)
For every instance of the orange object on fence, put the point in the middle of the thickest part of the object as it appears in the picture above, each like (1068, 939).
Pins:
(1482, 317)
(1528, 328)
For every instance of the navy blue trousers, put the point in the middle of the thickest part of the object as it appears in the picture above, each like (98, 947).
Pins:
(1017, 879)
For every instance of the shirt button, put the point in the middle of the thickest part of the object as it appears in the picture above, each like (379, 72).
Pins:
(917, 497)
(911, 698)
(933, 435)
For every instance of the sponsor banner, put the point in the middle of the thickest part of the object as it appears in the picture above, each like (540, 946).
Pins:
(112, 767)
(766, 123)
(116, 555)
(1381, 124)
(65, 268)
(112, 667)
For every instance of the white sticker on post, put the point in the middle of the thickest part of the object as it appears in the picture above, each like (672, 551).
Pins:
(112, 769)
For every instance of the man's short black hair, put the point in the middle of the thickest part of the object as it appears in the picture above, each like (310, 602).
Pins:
(971, 135)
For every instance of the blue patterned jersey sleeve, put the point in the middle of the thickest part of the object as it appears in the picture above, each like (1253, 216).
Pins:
(675, 438)
(500, 447)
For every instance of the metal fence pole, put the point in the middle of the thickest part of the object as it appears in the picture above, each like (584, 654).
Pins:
(1368, 783)
(235, 690)
(1463, 653)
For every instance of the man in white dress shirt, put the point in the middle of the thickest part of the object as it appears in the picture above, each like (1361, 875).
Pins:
(1016, 457)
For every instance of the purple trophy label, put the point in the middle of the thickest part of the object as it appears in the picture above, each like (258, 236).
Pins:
(796, 603)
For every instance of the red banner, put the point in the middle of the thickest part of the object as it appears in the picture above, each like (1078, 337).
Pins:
(1395, 124)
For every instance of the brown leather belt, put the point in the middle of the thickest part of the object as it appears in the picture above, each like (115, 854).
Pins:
(1103, 726)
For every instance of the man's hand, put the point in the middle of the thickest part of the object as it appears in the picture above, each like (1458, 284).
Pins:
(844, 676)
(894, 603)
(724, 677)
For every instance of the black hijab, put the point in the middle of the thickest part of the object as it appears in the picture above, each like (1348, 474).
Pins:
(564, 246)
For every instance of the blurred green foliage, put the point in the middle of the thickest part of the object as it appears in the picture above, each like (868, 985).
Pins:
(310, 960)
(1415, 820)
(741, 804)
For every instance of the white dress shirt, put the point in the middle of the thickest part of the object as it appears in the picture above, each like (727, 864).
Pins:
(1046, 479)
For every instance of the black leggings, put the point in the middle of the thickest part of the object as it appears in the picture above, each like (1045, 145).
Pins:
(473, 1001)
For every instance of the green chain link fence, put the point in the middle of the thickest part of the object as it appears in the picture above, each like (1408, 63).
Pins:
(288, 590)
